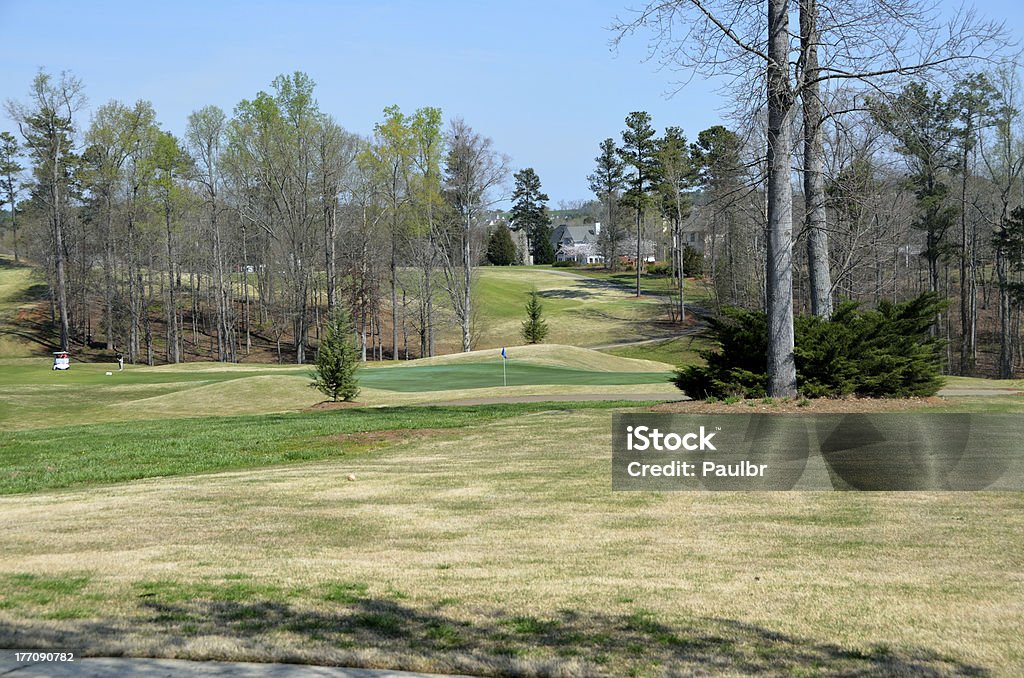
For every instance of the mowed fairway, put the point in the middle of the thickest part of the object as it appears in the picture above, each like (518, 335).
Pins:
(33, 396)
(499, 549)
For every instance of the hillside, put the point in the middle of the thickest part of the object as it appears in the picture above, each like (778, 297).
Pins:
(579, 311)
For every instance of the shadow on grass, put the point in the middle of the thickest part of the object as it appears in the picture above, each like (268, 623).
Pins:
(567, 294)
(31, 294)
(490, 643)
(8, 262)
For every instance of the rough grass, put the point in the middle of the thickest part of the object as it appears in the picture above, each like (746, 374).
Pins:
(502, 551)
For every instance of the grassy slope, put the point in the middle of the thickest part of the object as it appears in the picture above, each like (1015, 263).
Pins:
(18, 291)
(696, 291)
(578, 312)
(501, 550)
(679, 351)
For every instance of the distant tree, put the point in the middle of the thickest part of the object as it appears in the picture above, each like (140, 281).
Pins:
(924, 125)
(205, 135)
(978, 102)
(1008, 242)
(9, 187)
(530, 214)
(676, 177)
(428, 138)
(717, 161)
(638, 153)
(171, 163)
(47, 124)
(113, 143)
(535, 328)
(473, 170)
(337, 358)
(390, 159)
(501, 251)
(607, 182)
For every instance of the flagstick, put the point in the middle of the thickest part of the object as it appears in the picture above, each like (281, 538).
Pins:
(504, 380)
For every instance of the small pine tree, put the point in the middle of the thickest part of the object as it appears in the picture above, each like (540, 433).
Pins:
(501, 251)
(534, 327)
(337, 359)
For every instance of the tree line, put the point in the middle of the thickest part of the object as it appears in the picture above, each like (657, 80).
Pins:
(875, 154)
(922, 192)
(252, 225)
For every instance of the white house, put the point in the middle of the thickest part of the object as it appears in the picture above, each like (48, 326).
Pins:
(577, 243)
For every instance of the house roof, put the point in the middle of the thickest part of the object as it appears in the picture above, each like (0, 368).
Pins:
(573, 235)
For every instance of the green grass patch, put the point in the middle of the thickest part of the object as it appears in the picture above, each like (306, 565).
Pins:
(73, 456)
(344, 592)
(171, 591)
(23, 589)
(485, 375)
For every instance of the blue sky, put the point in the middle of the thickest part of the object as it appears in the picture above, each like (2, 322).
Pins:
(539, 78)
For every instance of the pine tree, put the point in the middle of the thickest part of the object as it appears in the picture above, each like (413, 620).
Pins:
(530, 212)
(607, 182)
(535, 328)
(337, 359)
(501, 251)
(638, 152)
(9, 171)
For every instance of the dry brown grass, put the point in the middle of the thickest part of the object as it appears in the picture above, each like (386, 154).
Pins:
(502, 550)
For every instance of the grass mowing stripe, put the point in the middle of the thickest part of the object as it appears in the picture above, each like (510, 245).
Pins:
(483, 375)
(75, 456)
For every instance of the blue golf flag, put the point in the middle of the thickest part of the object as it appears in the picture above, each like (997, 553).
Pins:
(503, 354)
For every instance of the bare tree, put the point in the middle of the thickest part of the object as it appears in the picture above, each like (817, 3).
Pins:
(47, 125)
(205, 137)
(473, 171)
(736, 39)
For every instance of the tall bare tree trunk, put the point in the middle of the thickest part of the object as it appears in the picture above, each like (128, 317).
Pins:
(819, 275)
(639, 241)
(779, 269)
(173, 353)
(394, 290)
(108, 274)
(467, 272)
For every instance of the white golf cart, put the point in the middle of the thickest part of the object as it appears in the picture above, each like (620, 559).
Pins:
(61, 360)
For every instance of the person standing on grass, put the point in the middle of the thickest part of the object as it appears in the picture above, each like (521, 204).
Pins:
(120, 362)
